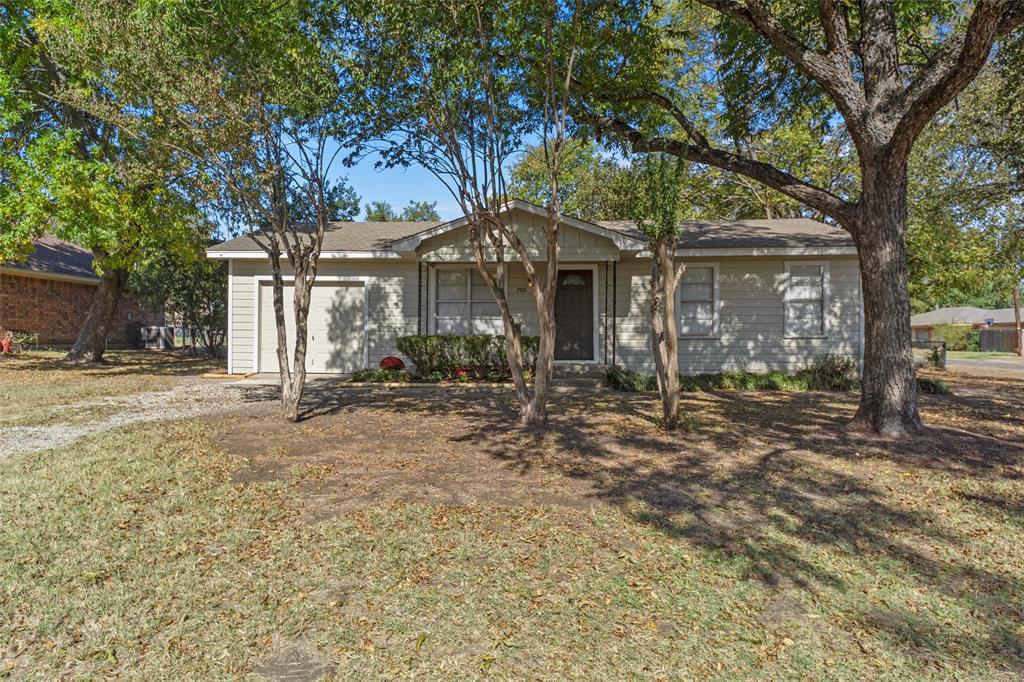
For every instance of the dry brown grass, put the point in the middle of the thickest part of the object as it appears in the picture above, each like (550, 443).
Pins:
(414, 533)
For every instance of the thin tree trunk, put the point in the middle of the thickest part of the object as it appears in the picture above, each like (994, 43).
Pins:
(290, 407)
(664, 341)
(91, 341)
(535, 412)
(1019, 343)
(888, 402)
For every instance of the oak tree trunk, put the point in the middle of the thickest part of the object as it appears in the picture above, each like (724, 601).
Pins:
(91, 341)
(888, 402)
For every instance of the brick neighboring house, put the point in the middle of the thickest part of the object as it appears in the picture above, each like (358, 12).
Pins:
(921, 325)
(49, 294)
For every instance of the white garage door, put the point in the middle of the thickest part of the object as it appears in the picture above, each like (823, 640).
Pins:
(337, 331)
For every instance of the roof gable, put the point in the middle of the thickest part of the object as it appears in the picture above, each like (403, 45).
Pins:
(622, 240)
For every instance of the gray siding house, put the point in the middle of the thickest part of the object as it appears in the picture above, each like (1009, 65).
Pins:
(757, 294)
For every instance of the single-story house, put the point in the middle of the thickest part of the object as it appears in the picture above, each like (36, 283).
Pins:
(921, 325)
(49, 293)
(757, 294)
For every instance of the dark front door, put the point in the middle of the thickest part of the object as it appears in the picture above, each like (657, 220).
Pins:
(574, 315)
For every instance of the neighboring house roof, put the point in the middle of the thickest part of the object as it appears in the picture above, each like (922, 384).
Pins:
(55, 258)
(962, 315)
(384, 238)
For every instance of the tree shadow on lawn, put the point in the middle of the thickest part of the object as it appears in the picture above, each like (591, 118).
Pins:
(774, 480)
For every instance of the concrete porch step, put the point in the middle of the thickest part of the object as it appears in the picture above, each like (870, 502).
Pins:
(579, 375)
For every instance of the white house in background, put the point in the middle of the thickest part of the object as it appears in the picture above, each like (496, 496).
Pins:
(757, 294)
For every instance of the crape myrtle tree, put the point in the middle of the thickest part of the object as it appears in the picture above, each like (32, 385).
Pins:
(69, 173)
(880, 69)
(250, 97)
(456, 88)
(658, 213)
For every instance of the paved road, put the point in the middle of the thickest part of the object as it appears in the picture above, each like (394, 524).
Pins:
(990, 367)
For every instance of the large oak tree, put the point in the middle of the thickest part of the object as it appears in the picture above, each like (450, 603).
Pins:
(881, 70)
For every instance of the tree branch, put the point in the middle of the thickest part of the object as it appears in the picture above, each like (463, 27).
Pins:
(953, 67)
(880, 54)
(817, 198)
(831, 70)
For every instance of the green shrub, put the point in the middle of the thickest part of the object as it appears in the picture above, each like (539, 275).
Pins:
(381, 376)
(955, 335)
(478, 356)
(831, 373)
(973, 340)
(936, 358)
(835, 374)
(628, 381)
(933, 386)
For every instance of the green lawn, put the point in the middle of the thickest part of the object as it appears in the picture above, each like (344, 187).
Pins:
(148, 552)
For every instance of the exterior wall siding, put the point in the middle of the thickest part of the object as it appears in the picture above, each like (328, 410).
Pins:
(751, 314)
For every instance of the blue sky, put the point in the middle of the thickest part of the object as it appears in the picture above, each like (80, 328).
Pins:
(398, 186)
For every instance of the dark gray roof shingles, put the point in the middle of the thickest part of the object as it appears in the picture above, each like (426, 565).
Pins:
(753, 234)
(786, 232)
(355, 236)
(57, 257)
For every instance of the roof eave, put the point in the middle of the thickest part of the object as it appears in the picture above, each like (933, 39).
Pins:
(216, 254)
(761, 251)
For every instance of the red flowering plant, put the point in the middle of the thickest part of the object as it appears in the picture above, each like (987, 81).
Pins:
(462, 375)
(392, 363)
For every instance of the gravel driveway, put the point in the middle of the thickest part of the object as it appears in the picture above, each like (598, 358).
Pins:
(67, 423)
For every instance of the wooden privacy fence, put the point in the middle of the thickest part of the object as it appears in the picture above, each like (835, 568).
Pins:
(997, 340)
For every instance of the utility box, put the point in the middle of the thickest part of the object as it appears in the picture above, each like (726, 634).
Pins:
(158, 338)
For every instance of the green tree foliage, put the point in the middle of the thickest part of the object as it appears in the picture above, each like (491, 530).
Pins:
(966, 216)
(383, 212)
(341, 201)
(194, 292)
(420, 211)
(68, 172)
(380, 212)
(592, 185)
(250, 99)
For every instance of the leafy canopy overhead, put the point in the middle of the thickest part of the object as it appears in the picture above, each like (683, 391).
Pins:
(67, 172)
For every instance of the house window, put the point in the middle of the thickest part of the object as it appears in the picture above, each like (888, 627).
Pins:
(464, 304)
(698, 301)
(806, 300)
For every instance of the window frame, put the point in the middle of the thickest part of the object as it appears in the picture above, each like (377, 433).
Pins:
(716, 303)
(434, 299)
(825, 299)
